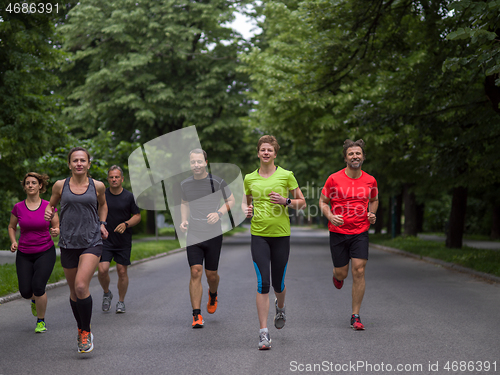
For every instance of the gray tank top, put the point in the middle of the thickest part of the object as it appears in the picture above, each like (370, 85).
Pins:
(79, 222)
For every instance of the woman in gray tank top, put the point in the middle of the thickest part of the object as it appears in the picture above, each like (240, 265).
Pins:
(83, 215)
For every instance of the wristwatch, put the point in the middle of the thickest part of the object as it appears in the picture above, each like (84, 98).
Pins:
(288, 202)
(126, 224)
(219, 213)
(103, 222)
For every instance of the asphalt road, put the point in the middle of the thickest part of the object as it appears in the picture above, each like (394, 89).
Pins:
(418, 318)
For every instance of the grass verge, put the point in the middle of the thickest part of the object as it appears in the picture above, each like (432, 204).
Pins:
(482, 260)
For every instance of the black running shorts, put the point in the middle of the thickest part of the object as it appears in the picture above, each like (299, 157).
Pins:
(343, 247)
(120, 256)
(208, 250)
(71, 257)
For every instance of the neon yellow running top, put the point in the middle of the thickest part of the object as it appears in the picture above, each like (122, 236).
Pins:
(270, 219)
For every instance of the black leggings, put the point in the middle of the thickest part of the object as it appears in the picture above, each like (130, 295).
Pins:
(270, 259)
(33, 271)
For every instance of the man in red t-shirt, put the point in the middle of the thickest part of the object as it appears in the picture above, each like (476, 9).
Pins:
(349, 200)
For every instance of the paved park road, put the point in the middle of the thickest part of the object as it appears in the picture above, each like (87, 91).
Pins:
(419, 319)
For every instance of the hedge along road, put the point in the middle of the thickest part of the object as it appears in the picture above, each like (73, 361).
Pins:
(419, 318)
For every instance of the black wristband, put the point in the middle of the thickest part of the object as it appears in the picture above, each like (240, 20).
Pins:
(126, 224)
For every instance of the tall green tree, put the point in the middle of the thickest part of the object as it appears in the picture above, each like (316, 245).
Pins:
(147, 68)
(29, 124)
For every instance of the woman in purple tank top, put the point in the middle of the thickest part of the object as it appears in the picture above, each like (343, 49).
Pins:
(83, 226)
(36, 254)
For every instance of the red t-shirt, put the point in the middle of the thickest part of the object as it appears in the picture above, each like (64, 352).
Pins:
(349, 197)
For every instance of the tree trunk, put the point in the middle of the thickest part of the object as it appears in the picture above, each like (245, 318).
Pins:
(492, 91)
(410, 210)
(455, 232)
(495, 225)
(151, 222)
(420, 217)
(397, 202)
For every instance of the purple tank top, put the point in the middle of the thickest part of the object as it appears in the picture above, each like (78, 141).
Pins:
(35, 236)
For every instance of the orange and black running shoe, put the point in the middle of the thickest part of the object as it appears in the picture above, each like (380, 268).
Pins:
(86, 342)
(212, 303)
(198, 321)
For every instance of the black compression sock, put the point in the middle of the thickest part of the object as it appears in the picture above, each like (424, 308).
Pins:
(85, 310)
(196, 312)
(76, 314)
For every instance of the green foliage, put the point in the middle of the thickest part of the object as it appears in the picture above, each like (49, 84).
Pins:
(437, 213)
(143, 69)
(28, 113)
(29, 125)
(481, 33)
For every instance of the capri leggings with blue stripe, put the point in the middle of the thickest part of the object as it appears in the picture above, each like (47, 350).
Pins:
(270, 259)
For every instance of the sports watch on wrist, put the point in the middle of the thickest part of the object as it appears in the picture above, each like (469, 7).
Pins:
(219, 213)
(103, 222)
(288, 202)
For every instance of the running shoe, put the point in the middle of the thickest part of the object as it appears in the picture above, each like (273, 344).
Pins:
(33, 307)
(211, 304)
(120, 307)
(338, 284)
(356, 323)
(86, 342)
(106, 301)
(280, 317)
(264, 341)
(198, 321)
(40, 327)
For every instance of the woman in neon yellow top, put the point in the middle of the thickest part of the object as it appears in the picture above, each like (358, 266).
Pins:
(266, 202)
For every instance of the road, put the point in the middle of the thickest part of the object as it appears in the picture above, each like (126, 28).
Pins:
(416, 315)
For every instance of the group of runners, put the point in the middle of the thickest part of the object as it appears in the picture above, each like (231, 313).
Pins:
(94, 224)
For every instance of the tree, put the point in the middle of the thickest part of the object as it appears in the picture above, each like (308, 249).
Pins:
(154, 67)
(28, 111)
(481, 31)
